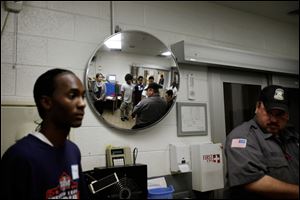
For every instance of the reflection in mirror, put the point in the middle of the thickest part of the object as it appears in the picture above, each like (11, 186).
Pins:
(121, 69)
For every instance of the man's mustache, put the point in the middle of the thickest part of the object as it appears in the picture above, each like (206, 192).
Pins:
(273, 124)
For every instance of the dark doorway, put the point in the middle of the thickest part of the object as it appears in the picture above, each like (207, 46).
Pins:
(240, 101)
(293, 95)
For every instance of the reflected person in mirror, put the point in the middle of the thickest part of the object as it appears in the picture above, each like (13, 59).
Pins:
(263, 153)
(150, 109)
(150, 80)
(45, 164)
(161, 80)
(173, 87)
(169, 99)
(99, 93)
(138, 90)
(126, 92)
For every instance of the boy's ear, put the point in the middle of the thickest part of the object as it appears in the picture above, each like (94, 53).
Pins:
(46, 102)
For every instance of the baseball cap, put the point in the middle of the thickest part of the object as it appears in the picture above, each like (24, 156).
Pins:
(274, 97)
(154, 86)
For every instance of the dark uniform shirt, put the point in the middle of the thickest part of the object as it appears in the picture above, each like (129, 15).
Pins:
(252, 154)
(137, 93)
(32, 169)
(149, 110)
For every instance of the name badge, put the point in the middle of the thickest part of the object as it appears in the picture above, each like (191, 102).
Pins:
(75, 172)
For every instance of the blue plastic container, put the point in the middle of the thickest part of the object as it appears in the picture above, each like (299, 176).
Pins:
(161, 193)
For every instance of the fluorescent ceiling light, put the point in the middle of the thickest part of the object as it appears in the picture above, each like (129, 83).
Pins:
(167, 53)
(114, 42)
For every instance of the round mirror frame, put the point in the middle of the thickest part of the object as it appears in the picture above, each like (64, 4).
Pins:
(175, 75)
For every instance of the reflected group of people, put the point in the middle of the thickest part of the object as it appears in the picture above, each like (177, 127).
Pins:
(144, 104)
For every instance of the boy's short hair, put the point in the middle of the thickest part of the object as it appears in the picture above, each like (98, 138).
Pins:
(128, 77)
(45, 86)
(169, 92)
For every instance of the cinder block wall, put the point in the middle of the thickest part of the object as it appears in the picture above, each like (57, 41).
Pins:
(64, 34)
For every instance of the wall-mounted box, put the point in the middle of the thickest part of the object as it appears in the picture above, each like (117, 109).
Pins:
(217, 56)
(207, 167)
(14, 6)
(179, 158)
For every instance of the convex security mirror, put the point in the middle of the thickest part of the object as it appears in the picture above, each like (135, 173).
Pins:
(138, 56)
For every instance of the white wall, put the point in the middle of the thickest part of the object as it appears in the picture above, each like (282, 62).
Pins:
(64, 34)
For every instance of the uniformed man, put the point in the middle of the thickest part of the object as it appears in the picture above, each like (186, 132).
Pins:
(150, 109)
(263, 154)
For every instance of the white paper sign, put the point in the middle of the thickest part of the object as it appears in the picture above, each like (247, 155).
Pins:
(193, 118)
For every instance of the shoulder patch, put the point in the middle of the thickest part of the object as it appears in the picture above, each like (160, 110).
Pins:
(238, 143)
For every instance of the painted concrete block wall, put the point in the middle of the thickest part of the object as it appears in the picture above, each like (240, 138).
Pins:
(64, 34)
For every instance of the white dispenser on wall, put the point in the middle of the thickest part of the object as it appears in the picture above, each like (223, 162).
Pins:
(207, 167)
(179, 158)
(191, 87)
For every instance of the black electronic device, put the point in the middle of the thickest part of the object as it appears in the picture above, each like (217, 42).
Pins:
(98, 185)
(132, 182)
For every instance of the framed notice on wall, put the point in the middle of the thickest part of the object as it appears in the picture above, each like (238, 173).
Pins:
(191, 119)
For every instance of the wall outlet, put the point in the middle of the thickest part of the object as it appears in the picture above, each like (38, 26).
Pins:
(14, 6)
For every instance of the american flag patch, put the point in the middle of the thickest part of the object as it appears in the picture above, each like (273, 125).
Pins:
(238, 143)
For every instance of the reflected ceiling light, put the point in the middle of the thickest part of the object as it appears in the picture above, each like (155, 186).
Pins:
(192, 59)
(114, 42)
(167, 53)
